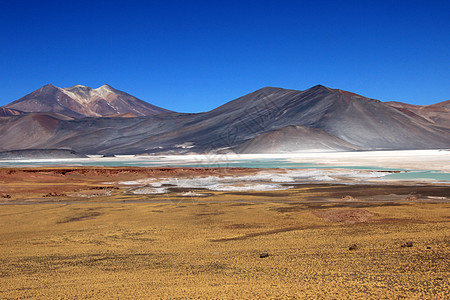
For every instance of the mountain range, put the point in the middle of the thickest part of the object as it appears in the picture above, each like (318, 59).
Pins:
(270, 120)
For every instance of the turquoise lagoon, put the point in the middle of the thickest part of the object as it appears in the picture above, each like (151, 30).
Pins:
(224, 162)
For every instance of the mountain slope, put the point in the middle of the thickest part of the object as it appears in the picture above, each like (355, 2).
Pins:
(437, 114)
(82, 101)
(357, 120)
(31, 131)
(292, 139)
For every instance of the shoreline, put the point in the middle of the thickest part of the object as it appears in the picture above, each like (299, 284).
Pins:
(115, 184)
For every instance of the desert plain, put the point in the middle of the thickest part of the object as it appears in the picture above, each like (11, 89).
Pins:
(93, 232)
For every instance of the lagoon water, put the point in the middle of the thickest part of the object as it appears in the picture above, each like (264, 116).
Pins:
(269, 163)
(413, 175)
(215, 161)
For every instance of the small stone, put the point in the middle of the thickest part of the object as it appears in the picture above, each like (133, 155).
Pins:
(353, 247)
(407, 244)
(263, 255)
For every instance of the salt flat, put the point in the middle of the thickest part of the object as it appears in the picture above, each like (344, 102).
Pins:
(401, 159)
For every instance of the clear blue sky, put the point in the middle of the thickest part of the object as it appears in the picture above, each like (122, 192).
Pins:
(192, 56)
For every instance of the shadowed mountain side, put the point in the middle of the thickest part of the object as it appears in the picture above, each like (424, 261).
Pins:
(229, 125)
(118, 135)
(437, 114)
(28, 131)
(7, 112)
(40, 154)
(82, 101)
(292, 139)
(365, 123)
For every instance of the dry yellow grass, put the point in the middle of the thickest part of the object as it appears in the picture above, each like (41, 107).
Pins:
(211, 250)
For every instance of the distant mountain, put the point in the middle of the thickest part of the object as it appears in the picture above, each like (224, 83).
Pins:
(269, 120)
(81, 101)
(437, 114)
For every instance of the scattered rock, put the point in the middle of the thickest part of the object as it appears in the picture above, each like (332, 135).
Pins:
(105, 188)
(407, 244)
(348, 198)
(54, 194)
(411, 198)
(264, 255)
(353, 247)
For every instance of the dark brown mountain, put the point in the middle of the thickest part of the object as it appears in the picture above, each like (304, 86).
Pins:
(82, 101)
(267, 120)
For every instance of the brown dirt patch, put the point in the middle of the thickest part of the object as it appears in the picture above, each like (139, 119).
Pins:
(243, 226)
(263, 233)
(83, 217)
(209, 214)
(347, 216)
(125, 172)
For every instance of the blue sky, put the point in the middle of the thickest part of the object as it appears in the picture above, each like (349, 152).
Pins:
(192, 56)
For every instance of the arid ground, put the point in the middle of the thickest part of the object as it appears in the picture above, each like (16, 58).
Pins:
(79, 233)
